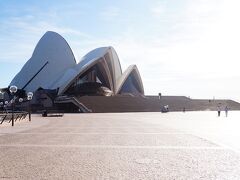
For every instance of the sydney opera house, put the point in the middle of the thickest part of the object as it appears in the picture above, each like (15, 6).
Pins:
(95, 84)
(55, 77)
(53, 66)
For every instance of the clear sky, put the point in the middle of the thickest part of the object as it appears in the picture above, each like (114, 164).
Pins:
(181, 47)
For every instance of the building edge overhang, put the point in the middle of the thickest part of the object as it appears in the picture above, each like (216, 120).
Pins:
(83, 69)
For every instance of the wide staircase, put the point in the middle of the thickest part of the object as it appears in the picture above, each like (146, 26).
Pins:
(64, 101)
(128, 103)
(153, 103)
(120, 103)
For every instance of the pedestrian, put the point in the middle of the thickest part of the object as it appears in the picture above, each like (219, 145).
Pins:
(160, 95)
(226, 111)
(219, 111)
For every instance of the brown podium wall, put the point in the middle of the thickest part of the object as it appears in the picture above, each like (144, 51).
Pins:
(152, 103)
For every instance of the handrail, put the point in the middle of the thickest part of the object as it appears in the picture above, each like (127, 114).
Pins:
(17, 115)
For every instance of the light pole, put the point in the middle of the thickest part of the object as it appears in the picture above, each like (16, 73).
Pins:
(1, 105)
(20, 100)
(29, 98)
(5, 105)
(1, 95)
(1, 99)
(13, 90)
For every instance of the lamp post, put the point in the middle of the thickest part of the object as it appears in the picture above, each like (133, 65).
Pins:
(1, 105)
(29, 98)
(20, 100)
(5, 105)
(1, 95)
(13, 90)
(1, 99)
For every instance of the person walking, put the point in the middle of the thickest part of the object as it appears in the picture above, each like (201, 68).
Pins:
(226, 111)
(219, 110)
(184, 109)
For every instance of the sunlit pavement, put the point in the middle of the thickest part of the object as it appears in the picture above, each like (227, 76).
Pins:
(191, 145)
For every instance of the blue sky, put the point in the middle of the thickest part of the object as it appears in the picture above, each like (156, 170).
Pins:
(181, 47)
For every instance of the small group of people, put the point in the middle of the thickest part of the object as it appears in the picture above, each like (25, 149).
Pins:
(219, 110)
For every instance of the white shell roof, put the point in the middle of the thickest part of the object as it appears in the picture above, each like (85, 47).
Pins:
(125, 75)
(53, 50)
(91, 59)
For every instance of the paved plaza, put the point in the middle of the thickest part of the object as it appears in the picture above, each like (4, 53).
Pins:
(191, 145)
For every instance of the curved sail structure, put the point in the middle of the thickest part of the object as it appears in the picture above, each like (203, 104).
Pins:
(53, 66)
(51, 57)
(130, 82)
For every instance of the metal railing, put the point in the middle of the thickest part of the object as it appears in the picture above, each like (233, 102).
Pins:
(16, 115)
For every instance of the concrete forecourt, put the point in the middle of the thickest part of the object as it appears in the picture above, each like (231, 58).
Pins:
(192, 145)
